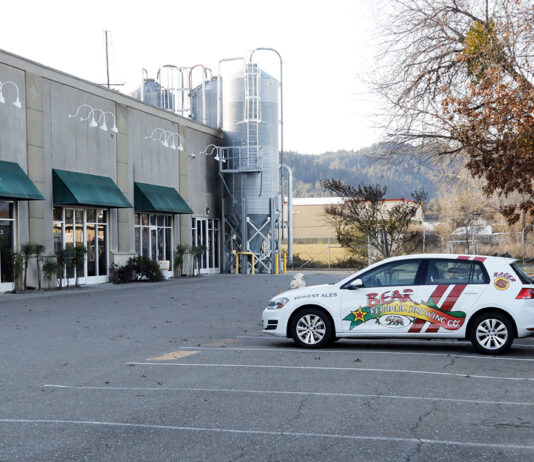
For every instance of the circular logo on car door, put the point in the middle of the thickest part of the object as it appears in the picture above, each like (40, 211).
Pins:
(501, 283)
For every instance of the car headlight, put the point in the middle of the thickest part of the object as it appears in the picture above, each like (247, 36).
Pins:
(277, 303)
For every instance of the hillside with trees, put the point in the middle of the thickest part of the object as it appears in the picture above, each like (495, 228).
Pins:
(373, 165)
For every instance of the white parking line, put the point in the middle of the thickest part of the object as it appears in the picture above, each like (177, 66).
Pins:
(279, 433)
(385, 352)
(348, 369)
(299, 393)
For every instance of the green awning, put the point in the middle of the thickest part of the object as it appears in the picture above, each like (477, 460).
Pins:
(15, 184)
(73, 188)
(153, 198)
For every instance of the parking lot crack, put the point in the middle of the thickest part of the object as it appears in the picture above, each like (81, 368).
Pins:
(415, 429)
(450, 364)
(297, 414)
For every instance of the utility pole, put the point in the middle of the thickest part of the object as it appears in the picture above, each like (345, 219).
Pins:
(108, 83)
(107, 57)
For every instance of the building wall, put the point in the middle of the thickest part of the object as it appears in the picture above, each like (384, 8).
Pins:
(41, 136)
(199, 181)
(310, 222)
(13, 136)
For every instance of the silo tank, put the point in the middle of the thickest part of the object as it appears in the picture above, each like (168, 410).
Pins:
(258, 187)
(197, 110)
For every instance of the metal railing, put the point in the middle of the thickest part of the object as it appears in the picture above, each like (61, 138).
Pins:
(241, 158)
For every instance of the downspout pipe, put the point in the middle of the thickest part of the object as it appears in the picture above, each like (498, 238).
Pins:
(289, 213)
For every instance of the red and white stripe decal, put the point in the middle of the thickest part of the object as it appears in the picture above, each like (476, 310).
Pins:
(436, 296)
(467, 257)
(449, 303)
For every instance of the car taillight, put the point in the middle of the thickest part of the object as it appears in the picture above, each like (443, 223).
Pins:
(526, 294)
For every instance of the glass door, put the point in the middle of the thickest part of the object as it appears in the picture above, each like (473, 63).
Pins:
(7, 244)
(206, 233)
(88, 227)
(153, 238)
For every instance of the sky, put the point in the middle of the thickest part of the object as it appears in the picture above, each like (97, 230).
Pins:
(327, 49)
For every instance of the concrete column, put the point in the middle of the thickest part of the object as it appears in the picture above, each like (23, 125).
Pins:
(183, 166)
(125, 245)
(39, 213)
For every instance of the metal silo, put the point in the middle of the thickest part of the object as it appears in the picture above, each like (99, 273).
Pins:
(249, 165)
(204, 99)
(246, 105)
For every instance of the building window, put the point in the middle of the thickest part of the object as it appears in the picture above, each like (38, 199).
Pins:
(206, 232)
(153, 237)
(89, 227)
(7, 240)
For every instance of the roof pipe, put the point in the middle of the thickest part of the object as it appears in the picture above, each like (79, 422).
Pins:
(289, 213)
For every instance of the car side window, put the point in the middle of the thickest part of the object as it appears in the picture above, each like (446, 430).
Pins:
(455, 272)
(478, 275)
(402, 273)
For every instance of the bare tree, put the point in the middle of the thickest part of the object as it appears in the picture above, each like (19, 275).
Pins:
(362, 211)
(458, 81)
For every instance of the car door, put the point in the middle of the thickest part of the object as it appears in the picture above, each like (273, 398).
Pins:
(450, 290)
(382, 303)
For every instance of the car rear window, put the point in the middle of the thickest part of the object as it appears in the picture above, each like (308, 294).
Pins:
(455, 272)
(522, 274)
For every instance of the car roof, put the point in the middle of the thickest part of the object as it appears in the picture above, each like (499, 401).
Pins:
(448, 256)
(451, 256)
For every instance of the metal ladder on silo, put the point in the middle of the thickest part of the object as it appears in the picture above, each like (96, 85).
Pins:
(252, 116)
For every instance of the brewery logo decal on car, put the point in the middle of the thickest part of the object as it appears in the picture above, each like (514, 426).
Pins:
(400, 314)
(502, 280)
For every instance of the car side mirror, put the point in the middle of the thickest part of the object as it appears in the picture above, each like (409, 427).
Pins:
(356, 284)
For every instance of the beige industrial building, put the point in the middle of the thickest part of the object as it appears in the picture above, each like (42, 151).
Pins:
(80, 163)
(310, 222)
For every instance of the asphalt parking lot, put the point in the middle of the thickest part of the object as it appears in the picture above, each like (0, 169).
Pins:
(181, 371)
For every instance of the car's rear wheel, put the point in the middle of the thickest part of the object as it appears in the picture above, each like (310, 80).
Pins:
(491, 333)
(312, 328)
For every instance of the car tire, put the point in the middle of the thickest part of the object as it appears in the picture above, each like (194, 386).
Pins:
(311, 328)
(491, 333)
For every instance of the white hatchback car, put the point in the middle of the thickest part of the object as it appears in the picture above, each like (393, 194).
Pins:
(488, 300)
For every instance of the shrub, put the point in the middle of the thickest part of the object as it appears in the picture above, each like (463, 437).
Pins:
(38, 251)
(146, 269)
(197, 252)
(121, 274)
(137, 269)
(181, 250)
(78, 259)
(50, 268)
(26, 252)
(17, 262)
(61, 259)
(353, 263)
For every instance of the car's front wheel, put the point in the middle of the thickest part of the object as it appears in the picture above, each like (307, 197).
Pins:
(311, 328)
(491, 333)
